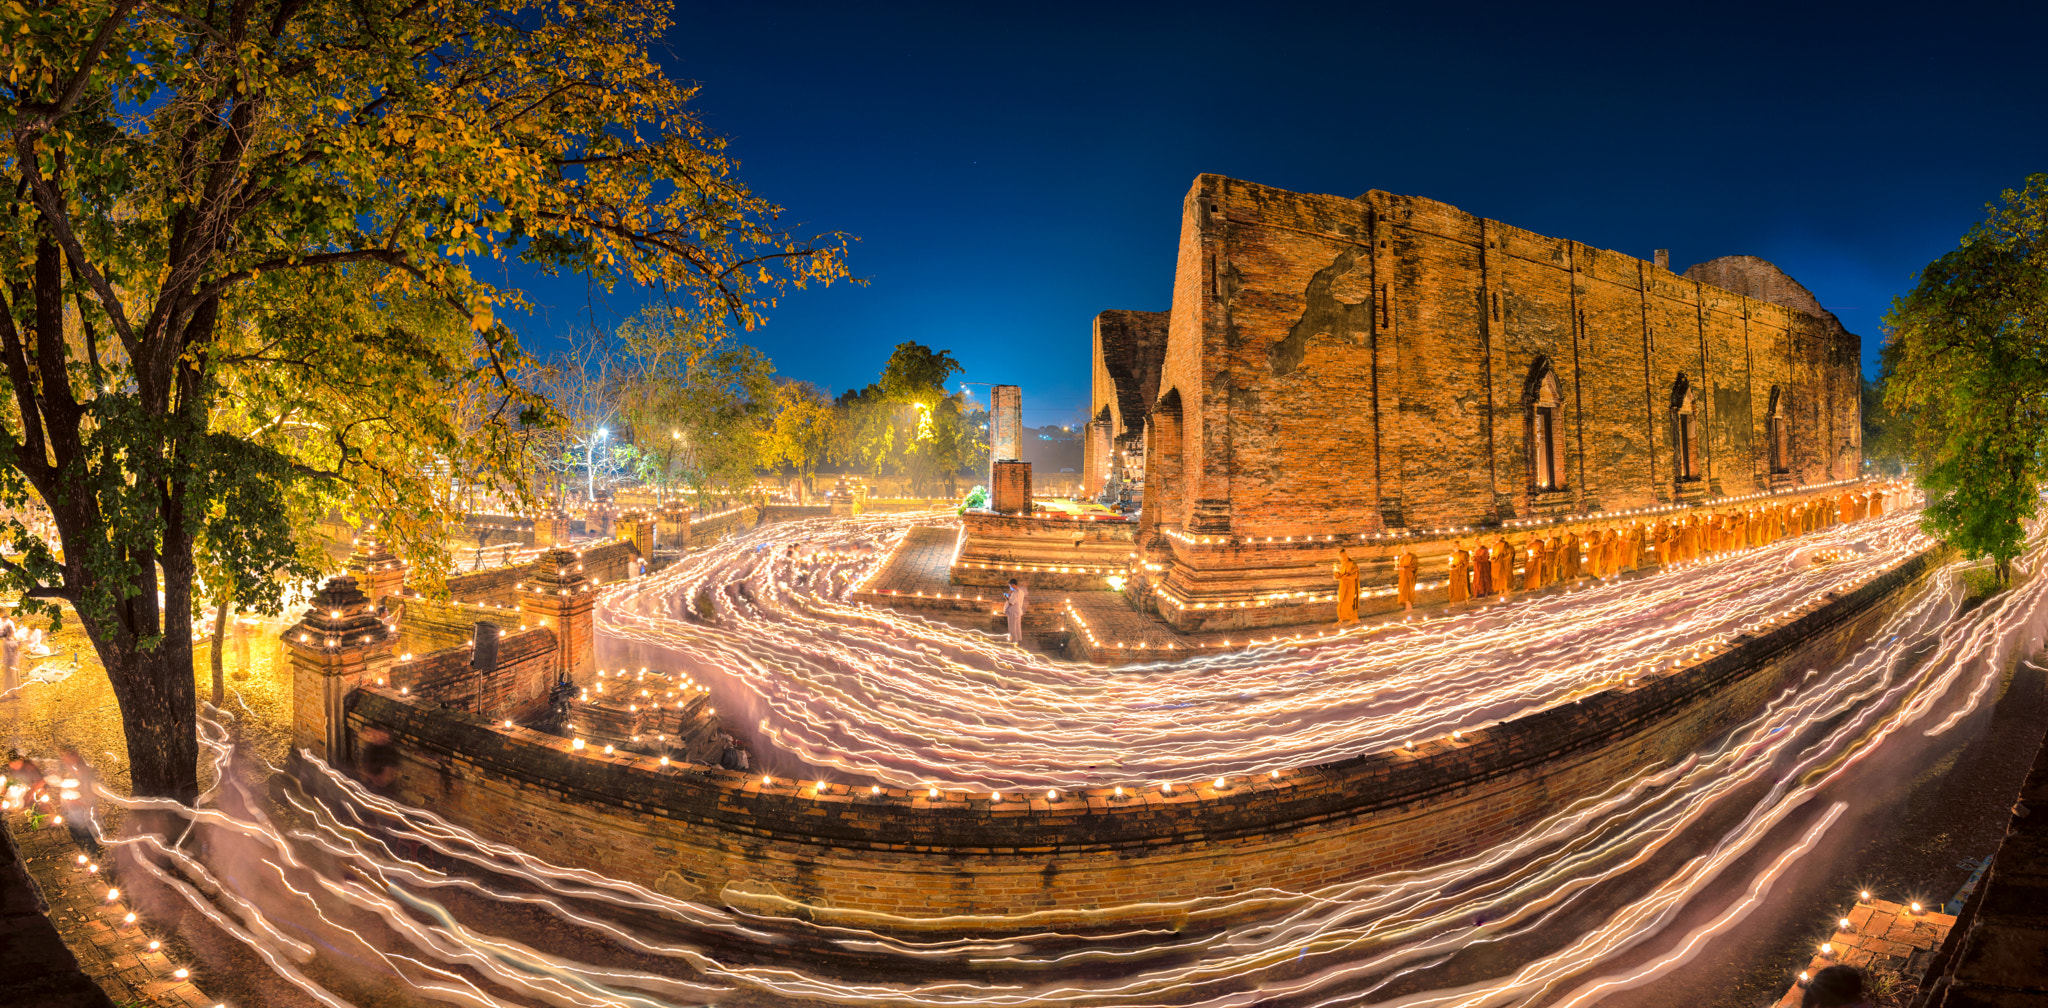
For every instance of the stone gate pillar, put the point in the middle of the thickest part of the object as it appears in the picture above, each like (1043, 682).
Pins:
(338, 645)
(1095, 459)
(638, 527)
(558, 596)
(377, 571)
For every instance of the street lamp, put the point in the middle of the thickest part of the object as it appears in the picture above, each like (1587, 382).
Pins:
(590, 466)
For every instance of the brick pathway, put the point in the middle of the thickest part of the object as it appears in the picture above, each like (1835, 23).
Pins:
(114, 953)
(1880, 935)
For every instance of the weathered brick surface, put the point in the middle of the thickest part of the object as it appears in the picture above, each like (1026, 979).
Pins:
(1043, 552)
(698, 831)
(605, 563)
(1372, 366)
(1130, 351)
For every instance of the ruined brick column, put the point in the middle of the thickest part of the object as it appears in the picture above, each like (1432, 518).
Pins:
(672, 526)
(638, 527)
(377, 571)
(558, 597)
(1005, 428)
(1095, 458)
(337, 646)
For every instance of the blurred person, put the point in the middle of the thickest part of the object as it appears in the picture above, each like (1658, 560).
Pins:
(23, 773)
(77, 798)
(1835, 987)
(1013, 607)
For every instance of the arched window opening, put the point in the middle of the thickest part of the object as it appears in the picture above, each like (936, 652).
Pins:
(1684, 430)
(1546, 456)
(1779, 428)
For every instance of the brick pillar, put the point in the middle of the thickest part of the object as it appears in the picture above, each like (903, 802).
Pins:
(1005, 428)
(551, 530)
(337, 646)
(672, 526)
(639, 528)
(558, 596)
(376, 570)
(1011, 491)
(1095, 458)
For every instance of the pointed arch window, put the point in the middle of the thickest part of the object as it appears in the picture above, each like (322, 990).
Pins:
(1778, 426)
(1546, 456)
(1684, 430)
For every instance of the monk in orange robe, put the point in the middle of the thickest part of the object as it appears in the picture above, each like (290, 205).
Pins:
(1345, 572)
(1404, 580)
(1877, 503)
(1532, 575)
(1553, 560)
(1503, 565)
(1482, 570)
(1460, 586)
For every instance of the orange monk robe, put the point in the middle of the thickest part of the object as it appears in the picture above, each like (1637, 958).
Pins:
(1532, 575)
(1503, 565)
(1863, 505)
(1612, 549)
(1596, 555)
(1568, 555)
(1553, 560)
(1877, 504)
(1460, 587)
(1632, 551)
(1845, 507)
(1345, 571)
(1482, 571)
(1404, 579)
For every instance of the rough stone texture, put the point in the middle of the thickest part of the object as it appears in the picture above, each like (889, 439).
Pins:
(603, 563)
(700, 832)
(1005, 426)
(1374, 365)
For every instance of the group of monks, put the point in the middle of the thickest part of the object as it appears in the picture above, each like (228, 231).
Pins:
(1489, 567)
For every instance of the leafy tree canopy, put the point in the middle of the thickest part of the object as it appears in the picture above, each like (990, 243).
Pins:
(1967, 376)
(296, 205)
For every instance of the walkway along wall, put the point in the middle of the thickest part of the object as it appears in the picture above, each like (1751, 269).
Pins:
(900, 859)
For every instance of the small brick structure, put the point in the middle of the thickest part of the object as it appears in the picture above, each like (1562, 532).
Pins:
(1043, 552)
(337, 648)
(1005, 426)
(1880, 935)
(1009, 490)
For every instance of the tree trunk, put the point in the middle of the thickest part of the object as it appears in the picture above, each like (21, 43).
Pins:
(220, 633)
(156, 692)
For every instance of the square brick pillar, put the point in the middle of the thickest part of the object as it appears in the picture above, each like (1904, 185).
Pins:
(638, 527)
(337, 646)
(551, 530)
(558, 596)
(1010, 493)
(672, 526)
(377, 571)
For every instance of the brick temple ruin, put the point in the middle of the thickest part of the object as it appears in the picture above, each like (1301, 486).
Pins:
(1390, 368)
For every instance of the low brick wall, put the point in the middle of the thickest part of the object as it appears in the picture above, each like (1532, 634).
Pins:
(613, 560)
(518, 688)
(700, 832)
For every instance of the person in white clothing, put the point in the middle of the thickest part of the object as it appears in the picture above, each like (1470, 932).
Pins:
(1013, 607)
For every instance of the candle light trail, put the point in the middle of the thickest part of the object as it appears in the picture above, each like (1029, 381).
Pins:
(1774, 784)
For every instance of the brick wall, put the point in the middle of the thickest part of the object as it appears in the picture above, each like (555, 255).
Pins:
(1130, 349)
(1374, 365)
(613, 560)
(518, 688)
(699, 832)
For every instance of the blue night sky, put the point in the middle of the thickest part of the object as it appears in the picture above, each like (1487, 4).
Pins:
(1012, 171)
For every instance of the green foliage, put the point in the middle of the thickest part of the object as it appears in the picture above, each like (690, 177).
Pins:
(1967, 377)
(1886, 444)
(917, 375)
(240, 265)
